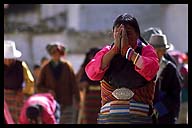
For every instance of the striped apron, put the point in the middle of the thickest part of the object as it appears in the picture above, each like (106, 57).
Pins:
(124, 112)
(92, 104)
(114, 111)
(14, 100)
(67, 115)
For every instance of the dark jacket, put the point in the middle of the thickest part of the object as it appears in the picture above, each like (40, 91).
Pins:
(13, 76)
(167, 93)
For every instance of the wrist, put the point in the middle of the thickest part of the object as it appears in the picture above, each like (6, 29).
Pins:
(129, 53)
(115, 50)
(136, 58)
(124, 50)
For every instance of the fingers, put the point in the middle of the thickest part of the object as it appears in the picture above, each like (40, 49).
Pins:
(118, 30)
(120, 38)
(117, 37)
(124, 33)
(124, 43)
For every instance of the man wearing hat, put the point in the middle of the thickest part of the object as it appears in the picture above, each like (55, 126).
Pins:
(18, 79)
(58, 77)
(168, 83)
(156, 30)
(149, 31)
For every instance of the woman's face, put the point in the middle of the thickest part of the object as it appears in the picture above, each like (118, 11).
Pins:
(131, 34)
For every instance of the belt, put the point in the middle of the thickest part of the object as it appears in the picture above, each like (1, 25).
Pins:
(123, 93)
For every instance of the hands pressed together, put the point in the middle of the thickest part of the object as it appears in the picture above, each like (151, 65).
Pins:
(121, 42)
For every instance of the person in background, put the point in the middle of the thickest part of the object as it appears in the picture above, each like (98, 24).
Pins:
(44, 61)
(91, 100)
(149, 31)
(183, 115)
(40, 108)
(156, 30)
(126, 70)
(18, 79)
(36, 71)
(168, 83)
(58, 78)
(177, 58)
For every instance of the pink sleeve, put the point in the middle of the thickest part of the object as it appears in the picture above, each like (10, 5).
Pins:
(150, 63)
(93, 68)
(48, 117)
(49, 108)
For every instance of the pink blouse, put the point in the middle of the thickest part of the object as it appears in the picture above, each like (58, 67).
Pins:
(147, 64)
(49, 106)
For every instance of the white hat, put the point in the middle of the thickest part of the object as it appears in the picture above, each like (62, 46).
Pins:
(159, 41)
(10, 51)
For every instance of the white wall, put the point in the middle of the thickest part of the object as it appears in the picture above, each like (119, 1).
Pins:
(99, 17)
(31, 17)
(175, 25)
(50, 10)
(73, 16)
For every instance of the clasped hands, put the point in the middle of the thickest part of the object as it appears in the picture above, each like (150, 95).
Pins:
(121, 42)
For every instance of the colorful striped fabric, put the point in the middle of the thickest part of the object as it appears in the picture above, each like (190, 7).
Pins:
(7, 116)
(92, 106)
(67, 115)
(133, 111)
(125, 107)
(124, 112)
(123, 118)
(14, 100)
(143, 94)
(106, 92)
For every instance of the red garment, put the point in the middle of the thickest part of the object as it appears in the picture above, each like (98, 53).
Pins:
(46, 100)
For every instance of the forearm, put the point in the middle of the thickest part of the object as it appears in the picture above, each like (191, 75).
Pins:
(107, 58)
(93, 68)
(147, 64)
